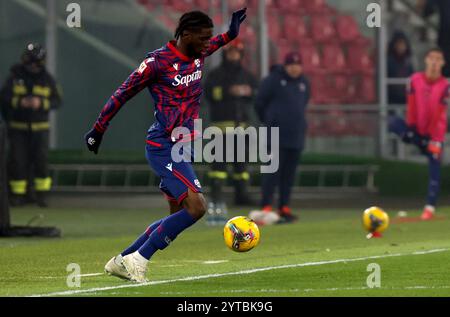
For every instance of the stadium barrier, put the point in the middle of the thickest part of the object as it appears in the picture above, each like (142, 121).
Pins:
(139, 178)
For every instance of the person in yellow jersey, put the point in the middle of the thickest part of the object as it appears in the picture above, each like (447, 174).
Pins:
(26, 99)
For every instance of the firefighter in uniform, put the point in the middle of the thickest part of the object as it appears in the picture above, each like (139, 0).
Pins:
(27, 97)
(230, 90)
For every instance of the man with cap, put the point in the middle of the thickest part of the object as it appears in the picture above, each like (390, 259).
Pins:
(281, 102)
(26, 99)
(230, 91)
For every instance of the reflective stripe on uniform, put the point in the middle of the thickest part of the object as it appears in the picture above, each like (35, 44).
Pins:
(15, 102)
(217, 93)
(35, 126)
(241, 176)
(218, 174)
(43, 184)
(46, 104)
(19, 90)
(18, 187)
(41, 91)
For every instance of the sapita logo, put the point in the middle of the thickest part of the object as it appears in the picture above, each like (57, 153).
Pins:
(186, 80)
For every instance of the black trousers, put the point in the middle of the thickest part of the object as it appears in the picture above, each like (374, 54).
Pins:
(28, 159)
(284, 178)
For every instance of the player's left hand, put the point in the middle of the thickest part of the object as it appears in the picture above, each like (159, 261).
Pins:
(93, 139)
(236, 19)
(435, 149)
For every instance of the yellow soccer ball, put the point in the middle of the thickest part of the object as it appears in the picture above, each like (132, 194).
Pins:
(375, 219)
(241, 234)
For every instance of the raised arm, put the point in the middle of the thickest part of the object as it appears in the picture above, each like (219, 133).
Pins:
(137, 81)
(222, 39)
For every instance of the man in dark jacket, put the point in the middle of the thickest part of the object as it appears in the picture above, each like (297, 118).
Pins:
(399, 66)
(26, 98)
(281, 102)
(230, 91)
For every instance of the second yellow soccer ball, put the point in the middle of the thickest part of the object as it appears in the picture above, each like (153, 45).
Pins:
(375, 219)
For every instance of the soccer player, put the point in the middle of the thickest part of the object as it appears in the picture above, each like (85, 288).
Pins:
(426, 120)
(172, 75)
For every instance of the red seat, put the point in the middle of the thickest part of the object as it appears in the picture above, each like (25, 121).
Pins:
(315, 7)
(183, 5)
(359, 60)
(204, 5)
(310, 57)
(295, 27)
(320, 93)
(289, 6)
(333, 58)
(322, 28)
(274, 27)
(218, 19)
(347, 28)
(283, 48)
(234, 5)
(367, 90)
(248, 35)
(270, 4)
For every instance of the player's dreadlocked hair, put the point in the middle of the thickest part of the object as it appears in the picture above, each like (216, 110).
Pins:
(191, 21)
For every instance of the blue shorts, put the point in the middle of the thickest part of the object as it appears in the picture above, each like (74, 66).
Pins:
(176, 178)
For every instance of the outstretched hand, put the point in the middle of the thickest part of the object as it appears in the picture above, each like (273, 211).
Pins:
(236, 19)
(93, 138)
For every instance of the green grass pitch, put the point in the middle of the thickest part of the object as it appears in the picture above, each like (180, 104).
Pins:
(325, 254)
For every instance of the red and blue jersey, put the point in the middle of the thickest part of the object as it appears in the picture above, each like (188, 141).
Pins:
(174, 82)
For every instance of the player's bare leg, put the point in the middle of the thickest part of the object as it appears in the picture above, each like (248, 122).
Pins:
(195, 204)
(174, 206)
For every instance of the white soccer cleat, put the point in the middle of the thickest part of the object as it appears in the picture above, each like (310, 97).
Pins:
(115, 267)
(136, 266)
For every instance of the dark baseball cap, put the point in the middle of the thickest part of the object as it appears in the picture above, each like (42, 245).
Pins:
(293, 58)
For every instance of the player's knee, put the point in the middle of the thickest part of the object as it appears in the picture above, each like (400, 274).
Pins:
(196, 205)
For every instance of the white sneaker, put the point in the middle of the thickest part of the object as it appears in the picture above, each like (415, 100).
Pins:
(115, 267)
(136, 266)
(264, 218)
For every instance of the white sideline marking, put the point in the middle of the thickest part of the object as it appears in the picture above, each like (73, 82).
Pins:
(91, 274)
(215, 262)
(250, 271)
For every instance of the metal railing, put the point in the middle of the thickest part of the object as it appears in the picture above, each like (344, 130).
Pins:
(149, 181)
